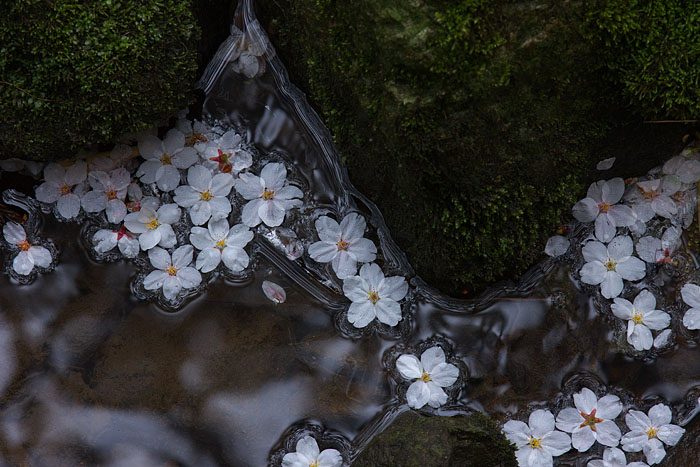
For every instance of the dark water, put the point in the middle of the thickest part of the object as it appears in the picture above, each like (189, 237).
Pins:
(91, 375)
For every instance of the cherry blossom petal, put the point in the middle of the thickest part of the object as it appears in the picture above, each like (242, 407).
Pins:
(355, 288)
(541, 422)
(585, 400)
(569, 419)
(595, 251)
(159, 258)
(182, 256)
(186, 196)
(235, 258)
(330, 458)
(637, 420)
(115, 211)
(691, 295)
(40, 255)
(612, 190)
(556, 245)
(556, 442)
(323, 252)
(608, 433)
(200, 212)
(611, 285)
(48, 192)
(288, 192)
(167, 236)
(154, 280)
(363, 250)
(394, 288)
(23, 263)
(361, 313)
(631, 269)
(167, 178)
(585, 210)
(328, 230)
(171, 287)
(208, 259)
(189, 277)
(691, 319)
(249, 186)
(418, 394)
(609, 407)
(69, 205)
(582, 439)
(444, 374)
(622, 308)
(659, 415)
(409, 366)
(250, 214)
(437, 396)
(271, 214)
(432, 357)
(14, 233)
(620, 247)
(670, 434)
(169, 213)
(388, 312)
(593, 273)
(622, 216)
(604, 228)
(274, 174)
(657, 319)
(344, 265)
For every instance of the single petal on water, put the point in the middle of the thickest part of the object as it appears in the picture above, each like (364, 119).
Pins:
(274, 292)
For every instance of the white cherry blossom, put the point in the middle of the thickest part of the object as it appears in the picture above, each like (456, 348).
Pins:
(219, 243)
(591, 420)
(685, 168)
(608, 266)
(29, 255)
(430, 374)
(108, 194)
(205, 196)
(196, 133)
(600, 205)
(649, 433)
(60, 187)
(172, 274)
(309, 455)
(225, 154)
(537, 441)
(641, 317)
(653, 197)
(614, 457)
(374, 296)
(154, 226)
(106, 239)
(691, 297)
(343, 245)
(655, 250)
(269, 195)
(164, 158)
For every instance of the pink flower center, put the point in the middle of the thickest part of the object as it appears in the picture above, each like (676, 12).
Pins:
(590, 420)
(65, 189)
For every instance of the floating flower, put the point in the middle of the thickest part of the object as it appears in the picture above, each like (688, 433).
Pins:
(308, 455)
(430, 374)
(343, 244)
(691, 297)
(655, 250)
(108, 194)
(556, 245)
(59, 187)
(164, 158)
(274, 292)
(608, 266)
(537, 441)
(205, 195)
(136, 199)
(685, 168)
(219, 243)
(600, 205)
(653, 197)
(29, 255)
(196, 133)
(106, 239)
(649, 433)
(270, 195)
(173, 274)
(641, 317)
(226, 155)
(154, 226)
(374, 296)
(591, 420)
(613, 457)
(249, 61)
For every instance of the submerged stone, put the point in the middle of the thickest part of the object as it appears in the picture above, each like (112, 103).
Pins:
(414, 440)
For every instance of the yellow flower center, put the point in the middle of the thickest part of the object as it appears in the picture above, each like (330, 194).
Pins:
(651, 432)
(649, 195)
(165, 159)
(535, 443)
(23, 245)
(637, 317)
(425, 377)
(373, 296)
(152, 223)
(111, 194)
(314, 464)
(172, 270)
(65, 189)
(206, 195)
(610, 265)
(604, 207)
(342, 245)
(221, 244)
(268, 194)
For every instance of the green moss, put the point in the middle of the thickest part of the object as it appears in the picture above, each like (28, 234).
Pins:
(652, 49)
(474, 124)
(81, 72)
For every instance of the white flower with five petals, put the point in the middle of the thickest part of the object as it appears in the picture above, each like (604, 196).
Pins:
(219, 243)
(537, 441)
(108, 194)
(649, 433)
(591, 420)
(613, 457)
(164, 158)
(29, 255)
(686, 168)
(309, 455)
(608, 266)
(691, 296)
(653, 197)
(205, 196)
(655, 250)
(269, 195)
(641, 317)
(60, 186)
(343, 245)
(172, 274)
(154, 226)
(225, 154)
(430, 374)
(600, 205)
(374, 296)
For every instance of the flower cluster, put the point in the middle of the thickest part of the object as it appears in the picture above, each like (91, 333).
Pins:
(430, 375)
(591, 421)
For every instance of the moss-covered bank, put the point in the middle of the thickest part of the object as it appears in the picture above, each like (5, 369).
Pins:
(474, 124)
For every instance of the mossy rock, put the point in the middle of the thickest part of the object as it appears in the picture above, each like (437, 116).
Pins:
(413, 440)
(475, 125)
(84, 72)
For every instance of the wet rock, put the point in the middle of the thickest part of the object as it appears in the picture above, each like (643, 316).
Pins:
(416, 440)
